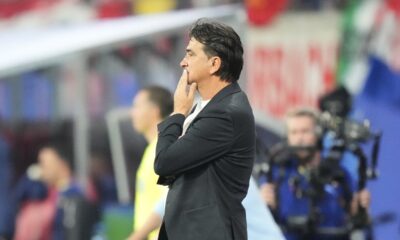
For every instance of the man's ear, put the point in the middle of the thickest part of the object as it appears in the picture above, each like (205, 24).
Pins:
(215, 64)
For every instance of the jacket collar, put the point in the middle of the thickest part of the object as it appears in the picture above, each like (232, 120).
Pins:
(226, 91)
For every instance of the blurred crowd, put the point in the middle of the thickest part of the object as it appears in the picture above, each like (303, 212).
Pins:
(299, 190)
(35, 13)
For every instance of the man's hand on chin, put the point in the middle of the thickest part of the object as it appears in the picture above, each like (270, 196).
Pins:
(184, 97)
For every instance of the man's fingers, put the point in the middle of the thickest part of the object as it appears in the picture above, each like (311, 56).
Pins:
(183, 81)
(184, 94)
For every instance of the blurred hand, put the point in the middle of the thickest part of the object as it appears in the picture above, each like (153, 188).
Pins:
(364, 198)
(133, 237)
(136, 236)
(183, 98)
(268, 194)
(152, 223)
(361, 198)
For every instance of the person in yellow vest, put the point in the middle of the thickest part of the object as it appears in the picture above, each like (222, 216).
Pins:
(150, 106)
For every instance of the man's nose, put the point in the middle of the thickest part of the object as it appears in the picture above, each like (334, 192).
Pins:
(183, 63)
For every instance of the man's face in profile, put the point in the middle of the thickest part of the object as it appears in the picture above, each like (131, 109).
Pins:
(143, 112)
(196, 62)
(50, 164)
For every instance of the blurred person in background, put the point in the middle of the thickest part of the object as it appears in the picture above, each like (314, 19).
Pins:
(60, 215)
(285, 195)
(150, 106)
(6, 226)
(102, 180)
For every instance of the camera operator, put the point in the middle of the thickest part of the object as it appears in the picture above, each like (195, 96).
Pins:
(305, 206)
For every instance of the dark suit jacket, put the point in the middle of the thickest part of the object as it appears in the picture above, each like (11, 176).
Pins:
(210, 167)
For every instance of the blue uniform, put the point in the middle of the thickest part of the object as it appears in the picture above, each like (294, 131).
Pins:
(73, 190)
(330, 206)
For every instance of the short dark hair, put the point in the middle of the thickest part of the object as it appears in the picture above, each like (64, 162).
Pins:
(222, 41)
(162, 98)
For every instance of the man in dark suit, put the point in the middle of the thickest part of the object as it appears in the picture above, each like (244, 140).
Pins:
(206, 155)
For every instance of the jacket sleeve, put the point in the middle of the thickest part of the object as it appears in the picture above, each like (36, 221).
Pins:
(208, 138)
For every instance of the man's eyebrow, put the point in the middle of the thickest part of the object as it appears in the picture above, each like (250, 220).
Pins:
(189, 50)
